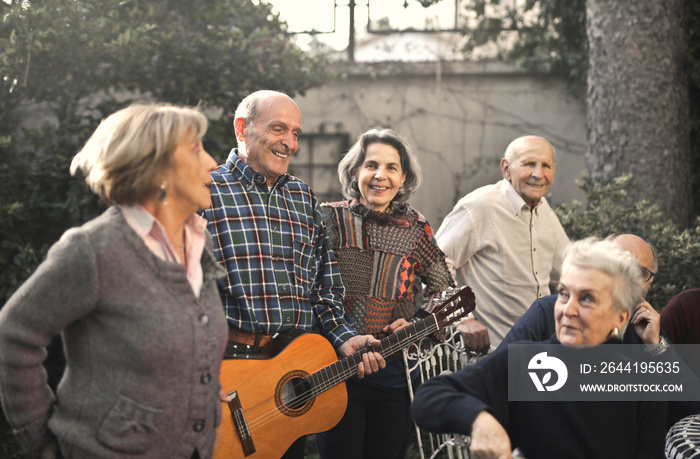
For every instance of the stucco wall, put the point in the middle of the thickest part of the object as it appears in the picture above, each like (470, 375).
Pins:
(459, 116)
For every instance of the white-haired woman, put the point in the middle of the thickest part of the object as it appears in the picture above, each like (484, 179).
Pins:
(133, 294)
(598, 290)
(385, 250)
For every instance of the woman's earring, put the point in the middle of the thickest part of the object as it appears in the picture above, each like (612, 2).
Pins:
(163, 193)
(616, 333)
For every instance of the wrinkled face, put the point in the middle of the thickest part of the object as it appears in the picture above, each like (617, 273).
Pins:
(271, 140)
(584, 312)
(189, 175)
(531, 170)
(380, 176)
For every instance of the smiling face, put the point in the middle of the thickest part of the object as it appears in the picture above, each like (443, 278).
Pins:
(584, 312)
(380, 176)
(269, 142)
(188, 178)
(531, 168)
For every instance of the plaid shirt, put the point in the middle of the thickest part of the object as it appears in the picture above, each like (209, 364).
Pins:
(281, 271)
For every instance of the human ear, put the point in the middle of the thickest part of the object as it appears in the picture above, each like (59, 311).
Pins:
(239, 126)
(505, 169)
(622, 318)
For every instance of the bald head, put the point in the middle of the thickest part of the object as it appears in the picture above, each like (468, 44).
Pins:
(642, 252)
(526, 144)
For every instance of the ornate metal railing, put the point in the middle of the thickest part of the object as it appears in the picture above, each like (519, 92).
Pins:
(429, 359)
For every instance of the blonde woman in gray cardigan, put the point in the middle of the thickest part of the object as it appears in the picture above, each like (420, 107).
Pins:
(133, 294)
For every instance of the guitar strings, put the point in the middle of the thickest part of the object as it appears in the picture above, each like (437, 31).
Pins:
(305, 396)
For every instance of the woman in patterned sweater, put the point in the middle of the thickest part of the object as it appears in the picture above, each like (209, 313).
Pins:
(386, 251)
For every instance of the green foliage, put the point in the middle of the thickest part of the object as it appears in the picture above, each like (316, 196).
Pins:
(603, 214)
(66, 64)
(551, 34)
(550, 37)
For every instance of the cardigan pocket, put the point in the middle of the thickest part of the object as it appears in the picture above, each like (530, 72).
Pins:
(129, 427)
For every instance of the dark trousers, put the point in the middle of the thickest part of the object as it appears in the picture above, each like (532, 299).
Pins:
(376, 424)
(297, 450)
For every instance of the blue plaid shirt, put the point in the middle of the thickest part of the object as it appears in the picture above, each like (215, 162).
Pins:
(282, 273)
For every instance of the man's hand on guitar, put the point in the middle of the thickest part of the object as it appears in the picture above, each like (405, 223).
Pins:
(371, 361)
(474, 336)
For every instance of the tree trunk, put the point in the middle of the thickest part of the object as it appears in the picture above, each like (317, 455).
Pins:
(638, 101)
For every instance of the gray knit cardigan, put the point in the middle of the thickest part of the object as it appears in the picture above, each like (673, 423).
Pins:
(143, 353)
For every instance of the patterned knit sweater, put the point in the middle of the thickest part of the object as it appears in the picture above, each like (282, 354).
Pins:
(383, 259)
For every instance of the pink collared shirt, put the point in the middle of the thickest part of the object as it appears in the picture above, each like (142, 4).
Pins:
(156, 239)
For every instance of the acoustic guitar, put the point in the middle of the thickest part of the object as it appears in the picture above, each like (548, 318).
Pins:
(301, 390)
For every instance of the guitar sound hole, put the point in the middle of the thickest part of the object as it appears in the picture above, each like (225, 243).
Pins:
(295, 393)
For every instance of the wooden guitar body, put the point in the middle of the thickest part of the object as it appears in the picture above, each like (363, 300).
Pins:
(260, 385)
(301, 390)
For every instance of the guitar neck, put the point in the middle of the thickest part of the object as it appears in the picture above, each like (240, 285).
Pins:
(345, 368)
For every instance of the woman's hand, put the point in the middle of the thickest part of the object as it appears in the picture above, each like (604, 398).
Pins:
(395, 326)
(489, 440)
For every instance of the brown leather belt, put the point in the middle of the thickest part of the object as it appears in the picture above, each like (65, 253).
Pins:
(249, 339)
(246, 345)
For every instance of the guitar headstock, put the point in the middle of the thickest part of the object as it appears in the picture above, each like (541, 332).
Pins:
(455, 303)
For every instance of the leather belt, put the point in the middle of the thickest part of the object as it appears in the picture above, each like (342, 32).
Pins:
(249, 339)
(244, 345)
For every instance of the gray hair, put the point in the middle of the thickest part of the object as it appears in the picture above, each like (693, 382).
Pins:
(124, 159)
(356, 156)
(248, 108)
(606, 256)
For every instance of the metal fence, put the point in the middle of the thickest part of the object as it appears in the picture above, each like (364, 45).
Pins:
(430, 359)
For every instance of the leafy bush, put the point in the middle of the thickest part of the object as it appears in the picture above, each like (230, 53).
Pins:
(678, 250)
(67, 64)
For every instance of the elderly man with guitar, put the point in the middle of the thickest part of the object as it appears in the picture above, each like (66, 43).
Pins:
(268, 231)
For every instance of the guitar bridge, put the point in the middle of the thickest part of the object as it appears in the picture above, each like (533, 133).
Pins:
(241, 424)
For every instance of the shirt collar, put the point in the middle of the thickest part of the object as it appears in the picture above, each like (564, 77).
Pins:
(517, 203)
(139, 218)
(246, 174)
(143, 222)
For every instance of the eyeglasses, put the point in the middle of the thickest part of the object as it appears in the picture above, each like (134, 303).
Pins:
(646, 274)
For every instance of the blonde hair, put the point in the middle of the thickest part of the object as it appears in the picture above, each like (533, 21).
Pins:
(124, 159)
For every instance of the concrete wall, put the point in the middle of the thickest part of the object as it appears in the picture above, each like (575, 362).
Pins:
(459, 116)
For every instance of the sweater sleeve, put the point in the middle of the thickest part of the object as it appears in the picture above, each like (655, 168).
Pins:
(537, 324)
(449, 403)
(432, 268)
(328, 292)
(63, 288)
(651, 430)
